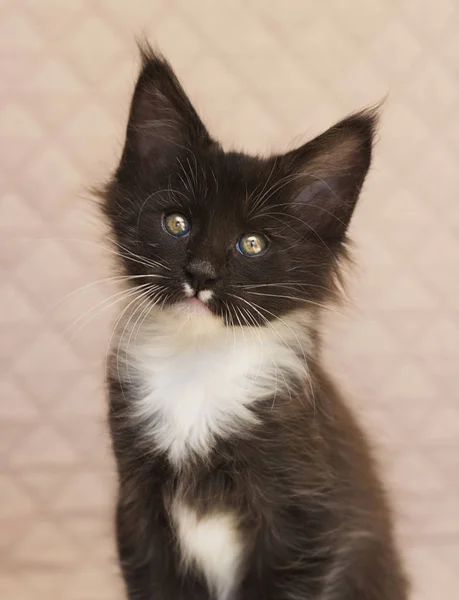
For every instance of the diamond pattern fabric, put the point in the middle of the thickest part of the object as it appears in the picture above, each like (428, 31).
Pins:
(263, 75)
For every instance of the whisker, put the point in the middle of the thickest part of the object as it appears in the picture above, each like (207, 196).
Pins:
(250, 319)
(144, 260)
(146, 300)
(188, 185)
(253, 305)
(293, 177)
(274, 362)
(322, 208)
(305, 300)
(311, 228)
(194, 174)
(138, 298)
(261, 194)
(300, 286)
(150, 303)
(116, 278)
(132, 256)
(307, 375)
(276, 187)
(118, 295)
(241, 327)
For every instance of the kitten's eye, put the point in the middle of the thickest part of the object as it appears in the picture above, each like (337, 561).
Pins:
(177, 225)
(252, 244)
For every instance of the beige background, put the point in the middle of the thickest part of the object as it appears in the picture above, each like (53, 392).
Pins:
(263, 74)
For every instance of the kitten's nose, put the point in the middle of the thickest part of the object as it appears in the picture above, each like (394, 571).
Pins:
(202, 274)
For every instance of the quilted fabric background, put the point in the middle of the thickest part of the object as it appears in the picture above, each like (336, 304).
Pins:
(264, 75)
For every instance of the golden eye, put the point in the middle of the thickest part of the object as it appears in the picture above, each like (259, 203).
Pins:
(252, 244)
(177, 225)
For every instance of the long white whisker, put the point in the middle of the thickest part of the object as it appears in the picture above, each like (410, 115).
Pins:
(254, 306)
(301, 286)
(278, 370)
(138, 298)
(93, 311)
(116, 278)
(308, 377)
(145, 298)
(143, 259)
(143, 309)
(256, 329)
(132, 256)
(305, 300)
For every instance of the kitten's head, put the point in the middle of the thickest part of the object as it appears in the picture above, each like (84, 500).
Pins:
(250, 238)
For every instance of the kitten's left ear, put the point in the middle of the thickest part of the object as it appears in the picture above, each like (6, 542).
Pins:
(328, 174)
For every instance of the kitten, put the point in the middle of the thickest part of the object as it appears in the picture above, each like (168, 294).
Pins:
(242, 473)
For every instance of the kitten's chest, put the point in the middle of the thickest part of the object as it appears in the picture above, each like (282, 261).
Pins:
(193, 395)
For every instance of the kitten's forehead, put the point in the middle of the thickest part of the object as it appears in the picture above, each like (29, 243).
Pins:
(242, 170)
(235, 181)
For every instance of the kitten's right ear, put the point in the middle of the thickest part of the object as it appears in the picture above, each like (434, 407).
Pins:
(162, 121)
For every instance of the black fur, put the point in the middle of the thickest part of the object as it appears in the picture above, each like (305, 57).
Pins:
(312, 511)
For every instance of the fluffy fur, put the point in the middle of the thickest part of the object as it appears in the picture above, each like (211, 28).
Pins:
(242, 473)
(200, 377)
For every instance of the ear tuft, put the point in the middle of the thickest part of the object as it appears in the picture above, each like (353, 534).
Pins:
(147, 54)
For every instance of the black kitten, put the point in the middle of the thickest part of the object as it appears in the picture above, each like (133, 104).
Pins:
(242, 473)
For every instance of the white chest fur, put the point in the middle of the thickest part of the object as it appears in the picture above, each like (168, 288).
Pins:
(200, 379)
(213, 544)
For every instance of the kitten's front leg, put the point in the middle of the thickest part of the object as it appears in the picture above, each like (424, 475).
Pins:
(148, 560)
(376, 576)
(136, 560)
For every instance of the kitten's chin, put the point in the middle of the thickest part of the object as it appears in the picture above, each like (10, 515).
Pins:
(192, 307)
(193, 315)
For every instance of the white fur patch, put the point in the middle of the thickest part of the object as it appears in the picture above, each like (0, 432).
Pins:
(213, 544)
(189, 292)
(201, 378)
(205, 295)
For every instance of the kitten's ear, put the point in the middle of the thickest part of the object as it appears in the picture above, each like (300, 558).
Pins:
(331, 170)
(162, 121)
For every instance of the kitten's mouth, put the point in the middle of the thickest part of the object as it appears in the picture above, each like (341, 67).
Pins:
(195, 303)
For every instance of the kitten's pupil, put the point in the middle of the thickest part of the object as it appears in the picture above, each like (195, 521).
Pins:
(252, 244)
(176, 225)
